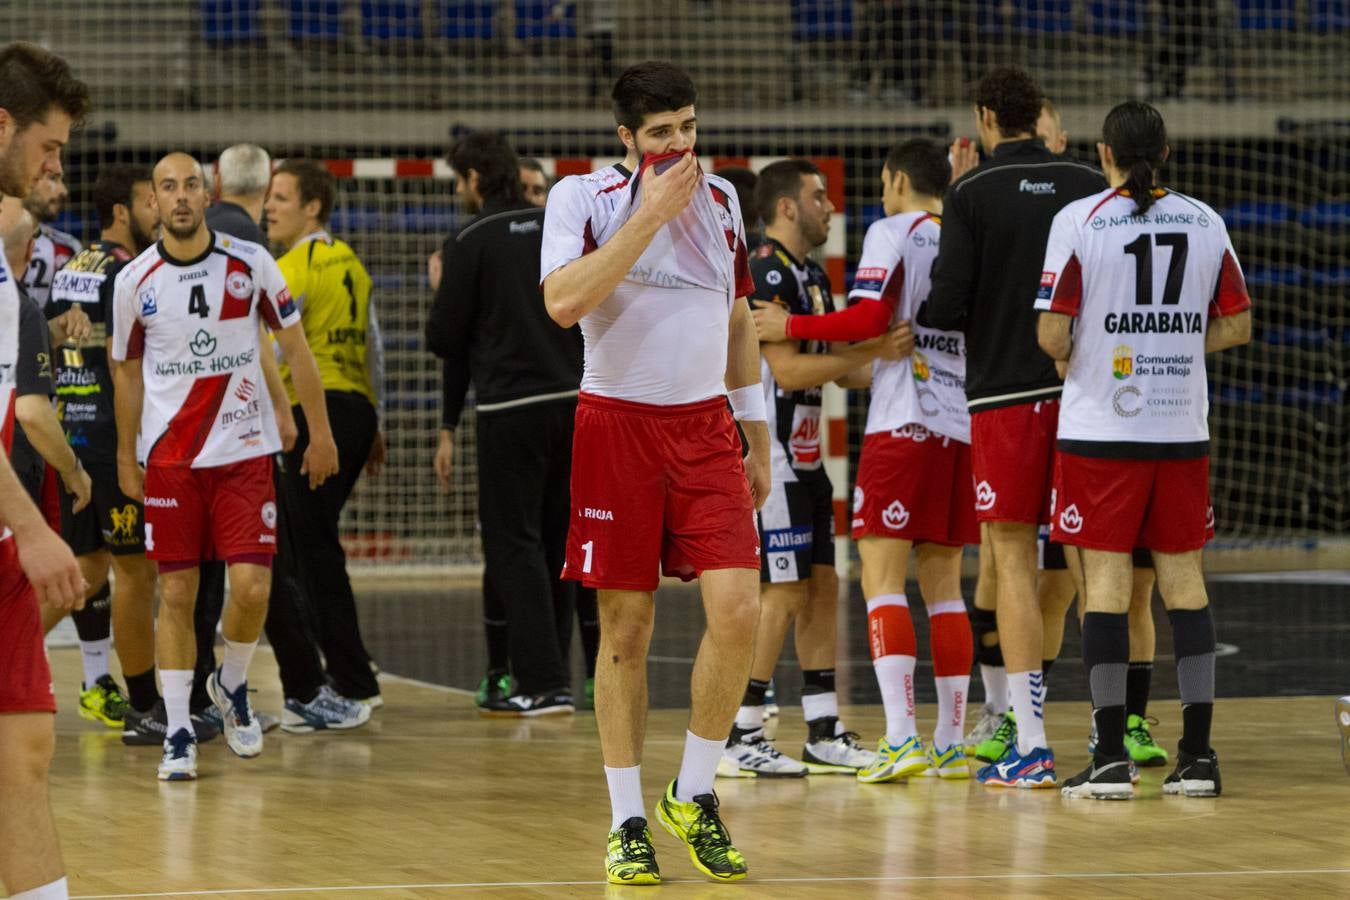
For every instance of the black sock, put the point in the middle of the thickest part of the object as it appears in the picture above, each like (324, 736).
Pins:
(754, 693)
(1106, 652)
(983, 622)
(94, 622)
(1138, 685)
(141, 691)
(1045, 666)
(817, 681)
(1193, 642)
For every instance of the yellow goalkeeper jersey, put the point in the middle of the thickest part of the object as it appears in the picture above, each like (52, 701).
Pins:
(332, 289)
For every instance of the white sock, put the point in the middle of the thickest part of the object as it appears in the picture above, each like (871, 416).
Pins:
(94, 656)
(995, 681)
(1027, 690)
(750, 718)
(819, 706)
(895, 676)
(56, 890)
(176, 687)
(952, 691)
(625, 795)
(234, 667)
(698, 767)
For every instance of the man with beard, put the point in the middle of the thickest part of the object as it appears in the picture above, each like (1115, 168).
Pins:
(53, 248)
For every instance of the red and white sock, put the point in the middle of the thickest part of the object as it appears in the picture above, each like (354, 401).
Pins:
(890, 633)
(953, 648)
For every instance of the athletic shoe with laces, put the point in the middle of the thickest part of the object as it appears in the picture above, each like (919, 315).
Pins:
(700, 827)
(243, 732)
(179, 762)
(983, 730)
(151, 728)
(950, 764)
(827, 750)
(1139, 742)
(1343, 723)
(1105, 778)
(632, 858)
(549, 703)
(496, 685)
(895, 762)
(103, 701)
(1035, 770)
(266, 720)
(749, 755)
(1194, 776)
(996, 745)
(327, 711)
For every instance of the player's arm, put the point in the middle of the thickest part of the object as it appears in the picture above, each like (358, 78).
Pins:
(276, 389)
(1228, 331)
(45, 559)
(796, 371)
(746, 394)
(950, 299)
(321, 456)
(128, 398)
(1230, 311)
(1060, 295)
(375, 372)
(449, 331)
(574, 289)
(33, 405)
(1054, 332)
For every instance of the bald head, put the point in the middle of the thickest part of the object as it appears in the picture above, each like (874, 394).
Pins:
(18, 228)
(180, 195)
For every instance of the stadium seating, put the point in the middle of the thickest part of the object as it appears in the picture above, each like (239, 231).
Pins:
(312, 20)
(814, 20)
(1115, 18)
(231, 22)
(1266, 15)
(467, 21)
(535, 20)
(385, 20)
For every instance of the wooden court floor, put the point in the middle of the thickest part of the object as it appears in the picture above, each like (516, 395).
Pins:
(431, 801)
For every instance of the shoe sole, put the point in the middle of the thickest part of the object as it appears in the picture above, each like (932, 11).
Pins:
(527, 714)
(178, 776)
(722, 772)
(95, 716)
(1190, 788)
(903, 772)
(674, 832)
(211, 688)
(950, 774)
(1099, 792)
(830, 769)
(1150, 762)
(1024, 784)
(643, 880)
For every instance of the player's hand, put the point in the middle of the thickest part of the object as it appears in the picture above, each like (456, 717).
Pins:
(666, 195)
(964, 157)
(76, 325)
(445, 458)
(770, 320)
(77, 482)
(286, 428)
(757, 473)
(131, 479)
(375, 460)
(897, 343)
(321, 459)
(51, 568)
(434, 271)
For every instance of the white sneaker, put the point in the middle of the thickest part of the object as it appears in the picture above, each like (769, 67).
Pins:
(243, 731)
(328, 710)
(984, 729)
(179, 762)
(749, 755)
(840, 753)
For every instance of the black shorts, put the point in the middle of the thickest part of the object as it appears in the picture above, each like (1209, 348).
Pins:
(796, 530)
(111, 521)
(1052, 556)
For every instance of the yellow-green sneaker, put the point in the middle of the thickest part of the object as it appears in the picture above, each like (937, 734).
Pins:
(632, 858)
(895, 762)
(699, 826)
(103, 701)
(992, 749)
(1139, 743)
(950, 764)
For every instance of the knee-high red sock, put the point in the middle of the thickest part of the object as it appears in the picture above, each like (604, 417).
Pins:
(953, 648)
(890, 634)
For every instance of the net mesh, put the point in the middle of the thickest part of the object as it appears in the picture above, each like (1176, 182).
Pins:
(1253, 91)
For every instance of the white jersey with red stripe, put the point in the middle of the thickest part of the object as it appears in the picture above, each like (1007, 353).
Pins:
(194, 326)
(9, 360)
(661, 336)
(52, 249)
(1143, 289)
(928, 387)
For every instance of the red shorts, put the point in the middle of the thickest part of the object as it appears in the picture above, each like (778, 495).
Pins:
(223, 512)
(25, 678)
(1012, 454)
(1120, 504)
(915, 485)
(657, 484)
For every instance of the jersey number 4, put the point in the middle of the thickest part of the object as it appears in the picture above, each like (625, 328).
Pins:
(197, 302)
(1141, 248)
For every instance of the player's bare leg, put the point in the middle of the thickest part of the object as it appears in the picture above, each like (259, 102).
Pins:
(731, 605)
(176, 653)
(1054, 594)
(240, 625)
(779, 606)
(817, 627)
(830, 746)
(133, 617)
(626, 619)
(30, 854)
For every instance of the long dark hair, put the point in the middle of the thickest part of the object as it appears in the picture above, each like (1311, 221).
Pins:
(491, 155)
(1138, 139)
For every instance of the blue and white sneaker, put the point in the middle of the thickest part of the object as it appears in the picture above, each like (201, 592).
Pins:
(179, 762)
(1035, 770)
(243, 732)
(328, 710)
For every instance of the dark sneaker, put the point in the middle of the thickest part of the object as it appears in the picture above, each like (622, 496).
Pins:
(632, 858)
(698, 825)
(550, 703)
(103, 701)
(496, 685)
(1194, 776)
(150, 729)
(1105, 778)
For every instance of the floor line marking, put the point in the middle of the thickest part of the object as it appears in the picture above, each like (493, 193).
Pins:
(443, 688)
(1004, 876)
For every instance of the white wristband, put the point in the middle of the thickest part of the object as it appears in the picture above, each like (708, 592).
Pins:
(747, 403)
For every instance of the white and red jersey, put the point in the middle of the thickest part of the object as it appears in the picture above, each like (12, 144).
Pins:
(52, 249)
(9, 360)
(661, 336)
(1143, 289)
(928, 387)
(194, 326)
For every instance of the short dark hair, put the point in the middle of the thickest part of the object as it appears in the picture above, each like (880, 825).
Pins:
(1015, 98)
(114, 185)
(744, 181)
(650, 87)
(1137, 136)
(314, 181)
(529, 162)
(33, 80)
(926, 164)
(778, 180)
(491, 155)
